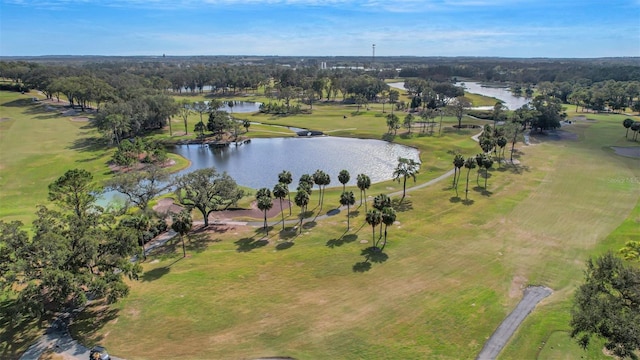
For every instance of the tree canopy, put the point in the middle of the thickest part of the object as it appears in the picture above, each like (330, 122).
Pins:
(75, 252)
(607, 305)
(208, 191)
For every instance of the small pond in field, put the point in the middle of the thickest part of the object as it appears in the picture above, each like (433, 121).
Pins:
(240, 106)
(257, 164)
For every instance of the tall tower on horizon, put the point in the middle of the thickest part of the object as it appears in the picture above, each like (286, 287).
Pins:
(373, 55)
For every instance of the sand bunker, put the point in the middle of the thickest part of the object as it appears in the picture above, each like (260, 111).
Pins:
(632, 151)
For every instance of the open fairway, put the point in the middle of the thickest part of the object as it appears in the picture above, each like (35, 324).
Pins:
(449, 275)
(451, 271)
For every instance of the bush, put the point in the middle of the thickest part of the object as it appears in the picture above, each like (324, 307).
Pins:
(481, 114)
(14, 87)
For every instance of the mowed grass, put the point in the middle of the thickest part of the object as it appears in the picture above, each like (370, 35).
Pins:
(449, 275)
(36, 147)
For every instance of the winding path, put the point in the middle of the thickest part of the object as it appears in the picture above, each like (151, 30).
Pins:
(532, 296)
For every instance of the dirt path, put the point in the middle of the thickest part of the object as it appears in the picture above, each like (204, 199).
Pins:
(532, 296)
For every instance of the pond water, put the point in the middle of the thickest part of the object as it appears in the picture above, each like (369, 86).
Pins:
(241, 107)
(258, 163)
(500, 93)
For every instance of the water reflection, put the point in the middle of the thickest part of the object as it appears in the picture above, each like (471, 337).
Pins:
(258, 163)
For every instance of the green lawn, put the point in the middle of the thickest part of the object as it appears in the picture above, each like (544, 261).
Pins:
(449, 275)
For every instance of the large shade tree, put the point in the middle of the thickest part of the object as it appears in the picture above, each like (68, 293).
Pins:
(208, 191)
(140, 187)
(77, 248)
(607, 306)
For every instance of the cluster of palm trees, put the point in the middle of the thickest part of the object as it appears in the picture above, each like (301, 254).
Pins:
(490, 140)
(634, 126)
(381, 214)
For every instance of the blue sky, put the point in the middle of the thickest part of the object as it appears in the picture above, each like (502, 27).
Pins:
(505, 28)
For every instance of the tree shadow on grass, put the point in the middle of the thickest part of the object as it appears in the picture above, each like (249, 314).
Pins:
(362, 266)
(344, 239)
(261, 230)
(374, 254)
(197, 242)
(284, 245)
(455, 199)
(402, 205)
(371, 255)
(288, 233)
(155, 274)
(354, 213)
(249, 244)
(16, 332)
(309, 225)
(90, 143)
(86, 325)
(468, 202)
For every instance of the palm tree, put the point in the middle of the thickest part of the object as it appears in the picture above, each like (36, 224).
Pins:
(502, 142)
(265, 203)
(458, 162)
(285, 178)
(182, 223)
(487, 163)
(347, 198)
(627, 124)
(381, 202)
(388, 218)
(393, 123)
(408, 122)
(470, 163)
(321, 179)
(406, 168)
(373, 218)
(306, 182)
(364, 182)
(302, 200)
(479, 158)
(280, 191)
(344, 178)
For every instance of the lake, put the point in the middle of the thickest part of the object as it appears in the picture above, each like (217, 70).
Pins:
(258, 163)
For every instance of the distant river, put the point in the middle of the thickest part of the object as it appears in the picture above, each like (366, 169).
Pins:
(500, 93)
